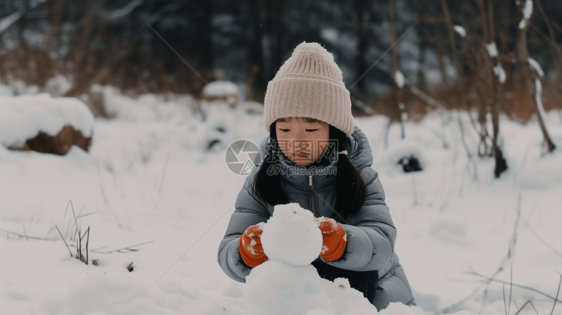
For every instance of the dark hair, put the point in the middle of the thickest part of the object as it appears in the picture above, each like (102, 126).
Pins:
(351, 189)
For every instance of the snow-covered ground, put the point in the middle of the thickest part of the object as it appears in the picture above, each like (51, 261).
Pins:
(149, 179)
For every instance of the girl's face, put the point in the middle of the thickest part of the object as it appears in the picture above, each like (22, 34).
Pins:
(300, 140)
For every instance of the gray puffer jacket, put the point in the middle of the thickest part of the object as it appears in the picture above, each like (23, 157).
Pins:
(370, 232)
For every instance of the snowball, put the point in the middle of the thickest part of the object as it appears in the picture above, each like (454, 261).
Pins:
(292, 236)
(23, 117)
(287, 283)
(399, 78)
(459, 29)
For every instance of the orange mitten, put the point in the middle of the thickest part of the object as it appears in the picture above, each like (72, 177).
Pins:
(334, 238)
(250, 246)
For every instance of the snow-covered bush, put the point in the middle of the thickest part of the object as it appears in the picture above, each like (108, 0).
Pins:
(405, 156)
(45, 124)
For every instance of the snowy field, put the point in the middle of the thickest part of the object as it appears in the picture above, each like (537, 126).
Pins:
(149, 180)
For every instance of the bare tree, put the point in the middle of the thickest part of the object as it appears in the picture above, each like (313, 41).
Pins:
(531, 70)
(495, 78)
(397, 76)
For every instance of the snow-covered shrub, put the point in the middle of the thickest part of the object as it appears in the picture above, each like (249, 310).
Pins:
(225, 91)
(405, 156)
(45, 124)
(219, 130)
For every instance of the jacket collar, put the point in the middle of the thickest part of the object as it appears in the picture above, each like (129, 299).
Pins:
(359, 152)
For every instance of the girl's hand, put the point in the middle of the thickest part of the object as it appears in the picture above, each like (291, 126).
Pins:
(250, 246)
(334, 238)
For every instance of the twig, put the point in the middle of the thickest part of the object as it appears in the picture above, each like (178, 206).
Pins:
(163, 174)
(558, 292)
(25, 233)
(541, 239)
(64, 242)
(522, 307)
(463, 141)
(510, 285)
(512, 242)
(87, 241)
(102, 189)
(504, 303)
(99, 248)
(516, 285)
(128, 248)
(21, 235)
(75, 220)
(85, 215)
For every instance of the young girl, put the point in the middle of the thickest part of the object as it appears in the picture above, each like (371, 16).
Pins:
(317, 157)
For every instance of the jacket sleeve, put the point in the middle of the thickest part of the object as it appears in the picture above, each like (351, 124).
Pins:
(370, 232)
(248, 211)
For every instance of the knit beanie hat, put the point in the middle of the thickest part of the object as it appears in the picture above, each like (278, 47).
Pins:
(309, 84)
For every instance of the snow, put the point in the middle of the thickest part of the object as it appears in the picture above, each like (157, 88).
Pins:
(287, 283)
(492, 49)
(399, 78)
(527, 12)
(124, 11)
(276, 288)
(58, 85)
(459, 29)
(146, 178)
(6, 22)
(292, 236)
(536, 66)
(388, 162)
(220, 88)
(528, 9)
(499, 72)
(23, 117)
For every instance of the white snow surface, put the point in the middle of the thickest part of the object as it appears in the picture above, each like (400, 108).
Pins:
(147, 179)
(291, 236)
(459, 29)
(23, 117)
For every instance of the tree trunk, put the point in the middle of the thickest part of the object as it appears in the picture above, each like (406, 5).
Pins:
(496, 77)
(397, 76)
(256, 85)
(532, 79)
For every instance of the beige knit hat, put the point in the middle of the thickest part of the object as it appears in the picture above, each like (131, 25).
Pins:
(309, 84)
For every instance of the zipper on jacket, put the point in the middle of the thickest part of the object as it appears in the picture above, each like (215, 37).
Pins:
(312, 192)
